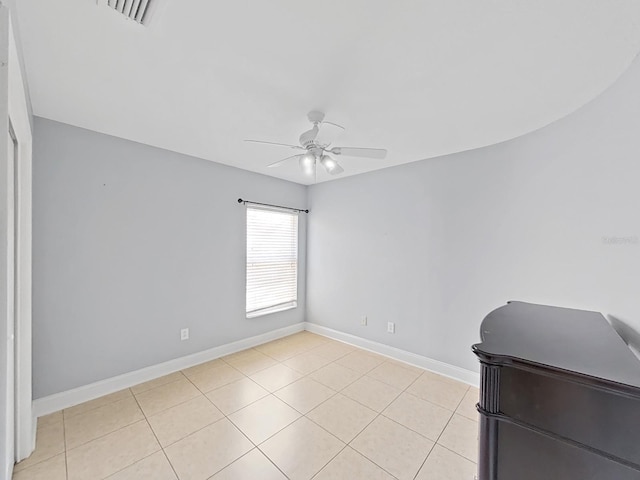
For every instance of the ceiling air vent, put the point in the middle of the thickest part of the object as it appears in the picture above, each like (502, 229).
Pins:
(136, 10)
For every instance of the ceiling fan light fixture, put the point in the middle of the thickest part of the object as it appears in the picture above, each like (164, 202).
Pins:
(328, 163)
(308, 163)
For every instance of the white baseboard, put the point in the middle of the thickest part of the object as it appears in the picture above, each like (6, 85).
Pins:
(463, 375)
(69, 398)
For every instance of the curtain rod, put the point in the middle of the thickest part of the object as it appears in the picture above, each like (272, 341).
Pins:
(275, 206)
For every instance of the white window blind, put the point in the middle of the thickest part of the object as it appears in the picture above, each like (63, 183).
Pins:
(272, 261)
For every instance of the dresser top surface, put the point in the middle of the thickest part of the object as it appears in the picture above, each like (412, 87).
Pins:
(561, 338)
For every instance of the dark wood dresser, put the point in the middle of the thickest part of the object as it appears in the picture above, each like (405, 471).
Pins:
(559, 397)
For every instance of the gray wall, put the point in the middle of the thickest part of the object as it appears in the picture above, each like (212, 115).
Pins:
(435, 245)
(131, 244)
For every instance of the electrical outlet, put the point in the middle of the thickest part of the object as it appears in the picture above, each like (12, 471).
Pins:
(363, 320)
(184, 334)
(391, 327)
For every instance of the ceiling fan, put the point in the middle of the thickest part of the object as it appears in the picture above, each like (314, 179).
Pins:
(316, 149)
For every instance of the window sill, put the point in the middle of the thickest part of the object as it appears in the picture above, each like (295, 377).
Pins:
(276, 309)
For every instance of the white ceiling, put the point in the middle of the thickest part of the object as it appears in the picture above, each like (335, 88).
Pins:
(419, 77)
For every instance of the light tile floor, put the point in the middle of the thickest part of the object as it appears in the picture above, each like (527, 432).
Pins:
(297, 408)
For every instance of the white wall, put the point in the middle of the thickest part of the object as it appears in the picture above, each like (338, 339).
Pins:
(435, 245)
(133, 243)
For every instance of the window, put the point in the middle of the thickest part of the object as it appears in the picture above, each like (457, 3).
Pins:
(272, 261)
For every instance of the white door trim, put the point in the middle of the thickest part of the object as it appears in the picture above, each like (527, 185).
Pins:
(13, 107)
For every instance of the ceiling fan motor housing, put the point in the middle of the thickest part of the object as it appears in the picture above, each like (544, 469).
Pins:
(307, 139)
(315, 117)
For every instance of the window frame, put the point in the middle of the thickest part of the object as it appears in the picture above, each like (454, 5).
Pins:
(279, 306)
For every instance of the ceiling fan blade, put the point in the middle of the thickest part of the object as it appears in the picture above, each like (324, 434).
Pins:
(333, 124)
(284, 160)
(298, 147)
(328, 133)
(360, 152)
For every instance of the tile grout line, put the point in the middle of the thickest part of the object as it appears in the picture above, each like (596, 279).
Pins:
(348, 384)
(434, 443)
(132, 464)
(308, 419)
(452, 413)
(458, 455)
(410, 429)
(225, 416)
(107, 433)
(330, 460)
(360, 403)
(361, 453)
(302, 415)
(156, 437)
(64, 437)
(158, 386)
(271, 461)
(336, 392)
(443, 430)
(255, 446)
(273, 434)
(247, 405)
(96, 407)
(379, 414)
(235, 460)
(177, 405)
(46, 459)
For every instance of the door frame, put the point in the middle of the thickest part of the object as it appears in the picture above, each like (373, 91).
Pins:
(14, 112)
